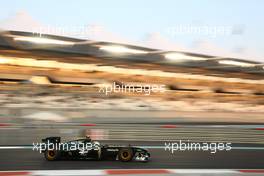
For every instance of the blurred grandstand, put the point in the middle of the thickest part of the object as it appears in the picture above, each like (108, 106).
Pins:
(47, 71)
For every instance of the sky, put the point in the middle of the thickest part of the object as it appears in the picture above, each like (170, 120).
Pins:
(231, 28)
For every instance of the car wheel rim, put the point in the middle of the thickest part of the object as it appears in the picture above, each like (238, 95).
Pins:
(51, 154)
(125, 155)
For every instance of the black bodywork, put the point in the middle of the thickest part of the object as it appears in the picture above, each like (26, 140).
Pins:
(91, 150)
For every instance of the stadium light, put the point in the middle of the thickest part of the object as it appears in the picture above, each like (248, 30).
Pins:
(236, 63)
(122, 49)
(179, 57)
(41, 40)
(3, 60)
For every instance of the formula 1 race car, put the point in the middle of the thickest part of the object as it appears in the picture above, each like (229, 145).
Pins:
(86, 149)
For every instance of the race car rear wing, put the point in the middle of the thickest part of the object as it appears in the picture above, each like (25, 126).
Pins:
(52, 140)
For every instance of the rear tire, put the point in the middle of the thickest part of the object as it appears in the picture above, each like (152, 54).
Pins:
(125, 154)
(52, 155)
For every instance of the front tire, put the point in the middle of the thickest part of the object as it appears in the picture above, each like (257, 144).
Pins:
(52, 155)
(125, 154)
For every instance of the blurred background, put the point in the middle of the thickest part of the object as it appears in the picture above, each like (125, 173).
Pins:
(51, 75)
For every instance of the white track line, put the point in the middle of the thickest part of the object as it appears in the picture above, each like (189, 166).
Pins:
(142, 146)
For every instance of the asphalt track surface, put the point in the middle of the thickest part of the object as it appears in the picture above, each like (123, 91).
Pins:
(246, 158)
